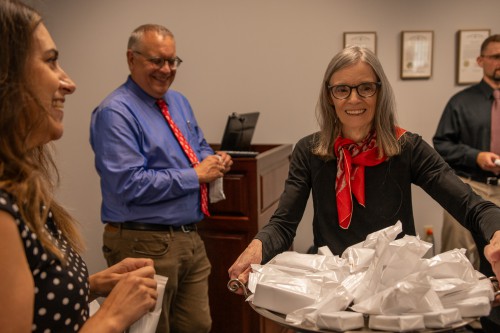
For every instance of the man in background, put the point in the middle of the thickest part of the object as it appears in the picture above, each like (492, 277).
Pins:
(468, 138)
(155, 165)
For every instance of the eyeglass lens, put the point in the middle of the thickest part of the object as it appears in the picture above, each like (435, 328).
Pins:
(160, 62)
(365, 89)
(495, 57)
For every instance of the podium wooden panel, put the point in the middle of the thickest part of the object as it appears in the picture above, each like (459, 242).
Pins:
(252, 189)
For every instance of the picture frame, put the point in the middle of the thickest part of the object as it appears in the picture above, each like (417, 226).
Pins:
(366, 39)
(416, 54)
(468, 49)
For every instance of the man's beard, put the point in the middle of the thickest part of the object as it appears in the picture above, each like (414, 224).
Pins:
(496, 76)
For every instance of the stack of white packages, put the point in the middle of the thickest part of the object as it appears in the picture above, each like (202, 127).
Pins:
(382, 277)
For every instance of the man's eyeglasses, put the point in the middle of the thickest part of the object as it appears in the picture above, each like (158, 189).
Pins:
(495, 57)
(365, 89)
(173, 63)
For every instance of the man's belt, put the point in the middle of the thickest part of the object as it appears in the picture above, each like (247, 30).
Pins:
(140, 226)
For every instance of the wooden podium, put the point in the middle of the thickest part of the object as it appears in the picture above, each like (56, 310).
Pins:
(252, 189)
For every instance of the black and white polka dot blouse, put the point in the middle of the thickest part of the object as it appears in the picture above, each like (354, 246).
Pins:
(61, 290)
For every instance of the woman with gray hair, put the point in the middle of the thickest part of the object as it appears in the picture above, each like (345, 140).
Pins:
(360, 167)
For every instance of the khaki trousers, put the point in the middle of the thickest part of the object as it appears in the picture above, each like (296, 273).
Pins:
(454, 235)
(179, 256)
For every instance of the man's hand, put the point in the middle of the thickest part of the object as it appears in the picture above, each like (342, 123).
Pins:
(210, 169)
(486, 161)
(226, 160)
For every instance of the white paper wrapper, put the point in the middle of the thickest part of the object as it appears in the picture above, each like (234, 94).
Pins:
(216, 190)
(284, 293)
(481, 288)
(340, 321)
(411, 295)
(148, 322)
(335, 299)
(403, 323)
(380, 276)
(325, 251)
(311, 262)
(274, 297)
(93, 307)
(442, 319)
(474, 307)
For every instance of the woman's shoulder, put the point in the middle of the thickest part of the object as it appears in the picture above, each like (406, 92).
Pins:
(309, 140)
(410, 138)
(8, 203)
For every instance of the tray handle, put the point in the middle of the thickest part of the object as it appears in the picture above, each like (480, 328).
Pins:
(234, 284)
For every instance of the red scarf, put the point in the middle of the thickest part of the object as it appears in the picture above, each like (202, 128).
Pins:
(351, 161)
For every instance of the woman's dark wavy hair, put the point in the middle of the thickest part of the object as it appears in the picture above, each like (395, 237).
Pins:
(28, 173)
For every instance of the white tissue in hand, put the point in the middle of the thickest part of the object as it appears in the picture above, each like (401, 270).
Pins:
(216, 190)
(148, 322)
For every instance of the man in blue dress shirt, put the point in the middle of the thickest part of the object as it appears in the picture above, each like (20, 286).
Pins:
(151, 190)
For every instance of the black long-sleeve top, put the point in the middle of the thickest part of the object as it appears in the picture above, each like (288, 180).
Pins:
(388, 198)
(465, 130)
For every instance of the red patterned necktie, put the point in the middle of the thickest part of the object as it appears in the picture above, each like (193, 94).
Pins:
(187, 150)
(495, 123)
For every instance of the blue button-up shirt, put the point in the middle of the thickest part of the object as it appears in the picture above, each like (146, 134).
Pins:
(145, 175)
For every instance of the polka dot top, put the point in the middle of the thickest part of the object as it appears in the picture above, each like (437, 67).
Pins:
(61, 291)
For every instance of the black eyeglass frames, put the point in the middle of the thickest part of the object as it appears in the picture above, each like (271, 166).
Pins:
(364, 89)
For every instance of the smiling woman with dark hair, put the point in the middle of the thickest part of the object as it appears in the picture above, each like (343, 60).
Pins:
(44, 285)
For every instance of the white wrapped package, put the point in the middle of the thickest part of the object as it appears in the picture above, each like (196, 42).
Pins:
(403, 323)
(411, 295)
(389, 233)
(285, 294)
(474, 307)
(442, 318)
(335, 299)
(340, 321)
(358, 258)
(483, 288)
(259, 271)
(325, 251)
(450, 264)
(392, 262)
(276, 269)
(312, 262)
(418, 246)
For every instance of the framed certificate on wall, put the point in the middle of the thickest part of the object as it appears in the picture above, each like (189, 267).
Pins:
(362, 39)
(416, 54)
(468, 49)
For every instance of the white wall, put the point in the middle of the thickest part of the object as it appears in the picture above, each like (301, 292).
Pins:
(241, 56)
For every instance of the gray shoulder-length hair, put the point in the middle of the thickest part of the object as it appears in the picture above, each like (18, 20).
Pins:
(384, 122)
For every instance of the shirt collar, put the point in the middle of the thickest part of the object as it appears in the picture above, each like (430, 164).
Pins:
(139, 92)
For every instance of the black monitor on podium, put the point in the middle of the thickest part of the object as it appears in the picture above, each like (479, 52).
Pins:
(238, 133)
